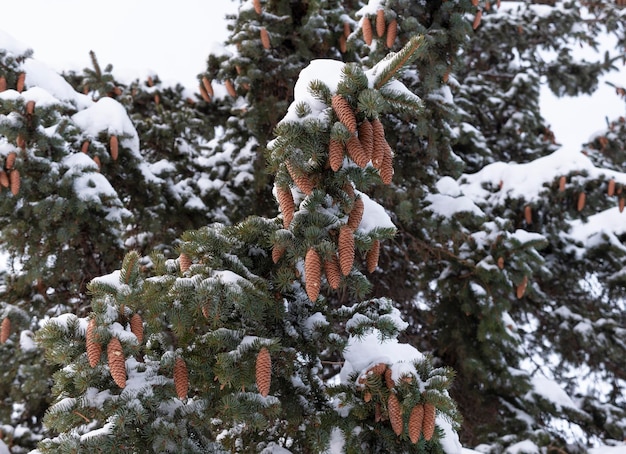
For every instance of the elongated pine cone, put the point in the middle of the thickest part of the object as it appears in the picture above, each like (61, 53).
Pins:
(114, 146)
(265, 38)
(389, 379)
(277, 253)
(582, 198)
(366, 137)
(528, 214)
(14, 181)
(356, 152)
(356, 214)
(521, 288)
(30, 107)
(344, 112)
(10, 162)
(428, 427)
(379, 143)
(263, 372)
(333, 273)
(611, 188)
(366, 26)
(20, 141)
(96, 159)
(21, 80)
(206, 83)
(386, 170)
(477, 19)
(335, 154)
(230, 88)
(562, 182)
(395, 414)
(136, 327)
(5, 330)
(372, 256)
(204, 94)
(85, 147)
(301, 179)
(286, 205)
(621, 204)
(94, 348)
(4, 179)
(346, 249)
(346, 29)
(312, 273)
(380, 22)
(392, 32)
(184, 262)
(181, 378)
(3, 84)
(257, 6)
(117, 362)
(415, 423)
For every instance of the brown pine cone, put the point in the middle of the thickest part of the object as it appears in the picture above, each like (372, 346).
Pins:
(301, 179)
(10, 162)
(611, 188)
(521, 288)
(386, 170)
(277, 253)
(181, 378)
(346, 29)
(5, 330)
(263, 371)
(184, 261)
(85, 147)
(333, 273)
(117, 362)
(136, 327)
(389, 379)
(356, 152)
(4, 179)
(379, 144)
(372, 256)
(366, 26)
(528, 214)
(3, 84)
(428, 426)
(96, 159)
(366, 137)
(204, 94)
(21, 80)
(344, 112)
(230, 88)
(562, 182)
(349, 189)
(395, 414)
(286, 205)
(30, 107)
(94, 348)
(265, 38)
(14, 181)
(257, 6)
(621, 203)
(206, 83)
(415, 423)
(380, 22)
(335, 154)
(114, 146)
(392, 32)
(312, 274)
(356, 214)
(346, 249)
(582, 198)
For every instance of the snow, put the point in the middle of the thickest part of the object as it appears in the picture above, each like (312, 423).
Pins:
(112, 280)
(551, 391)
(619, 449)
(523, 447)
(27, 341)
(374, 215)
(4, 449)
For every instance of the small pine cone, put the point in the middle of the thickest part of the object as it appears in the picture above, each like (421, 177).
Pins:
(389, 380)
(5, 330)
(395, 414)
(380, 22)
(4, 179)
(157, 99)
(622, 201)
(521, 288)
(96, 159)
(611, 188)
(263, 372)
(21, 142)
(367, 396)
(85, 147)
(501, 263)
(286, 205)
(582, 198)
(528, 214)
(356, 214)
(117, 363)
(366, 137)
(333, 273)
(277, 253)
(428, 426)
(379, 143)
(30, 107)
(14, 181)
(181, 378)
(372, 256)
(366, 26)
(302, 180)
(356, 152)
(184, 261)
(136, 327)
(344, 112)
(386, 169)
(94, 348)
(312, 274)
(335, 154)
(114, 146)
(477, 18)
(204, 94)
(257, 6)
(3, 84)
(265, 38)
(230, 88)
(206, 83)
(392, 32)
(415, 423)
(379, 369)
(21, 80)
(346, 249)
(10, 162)
(562, 182)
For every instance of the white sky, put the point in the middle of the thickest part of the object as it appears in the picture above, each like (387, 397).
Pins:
(173, 39)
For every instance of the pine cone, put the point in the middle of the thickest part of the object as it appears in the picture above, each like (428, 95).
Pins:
(4, 179)
(356, 152)
(10, 162)
(263, 372)
(21, 142)
(366, 26)
(477, 18)
(14, 181)
(96, 159)
(94, 348)
(3, 84)
(206, 83)
(346, 249)
(386, 169)
(521, 288)
(528, 214)
(562, 184)
(395, 414)
(415, 423)
(335, 154)
(257, 6)
(343, 44)
(621, 204)
(230, 88)
(181, 378)
(277, 253)
(501, 263)
(356, 214)
(367, 396)
(136, 327)
(302, 180)
(5, 330)
(114, 146)
(372, 256)
(21, 80)
(611, 188)
(380, 22)
(346, 29)
(582, 198)
(265, 38)
(349, 190)
(312, 274)
(392, 32)
(157, 99)
(286, 205)
(366, 137)
(389, 380)
(378, 143)
(117, 363)
(333, 274)
(344, 112)
(184, 262)
(428, 427)
(85, 147)
(204, 94)
(30, 107)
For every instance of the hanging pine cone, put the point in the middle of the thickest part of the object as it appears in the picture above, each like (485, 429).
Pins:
(85, 147)
(395, 413)
(621, 204)
(96, 159)
(428, 427)
(343, 44)
(386, 169)
(30, 107)
(372, 256)
(286, 205)
(4, 179)
(356, 152)
(206, 83)
(114, 147)
(380, 22)
(477, 18)
(265, 38)
(3, 84)
(521, 288)
(5, 330)
(366, 137)
(388, 379)
(94, 348)
(21, 80)
(346, 29)
(136, 327)
(333, 273)
(20, 141)
(184, 262)
(611, 188)
(346, 249)
(379, 143)
(562, 182)
(10, 162)
(181, 378)
(392, 32)
(528, 214)
(415, 423)
(301, 180)
(366, 26)
(257, 7)
(263, 372)
(312, 274)
(356, 214)
(14, 181)
(335, 154)
(501, 263)
(117, 363)
(277, 253)
(203, 93)
(230, 88)
(344, 112)
(582, 198)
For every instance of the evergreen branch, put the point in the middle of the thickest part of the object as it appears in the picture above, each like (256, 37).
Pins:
(403, 57)
(96, 65)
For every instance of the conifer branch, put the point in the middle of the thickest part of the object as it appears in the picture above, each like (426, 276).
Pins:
(403, 57)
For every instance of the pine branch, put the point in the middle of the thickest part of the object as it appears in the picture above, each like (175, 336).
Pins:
(96, 65)
(403, 57)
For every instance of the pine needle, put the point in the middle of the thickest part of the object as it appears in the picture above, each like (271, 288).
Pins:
(407, 54)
